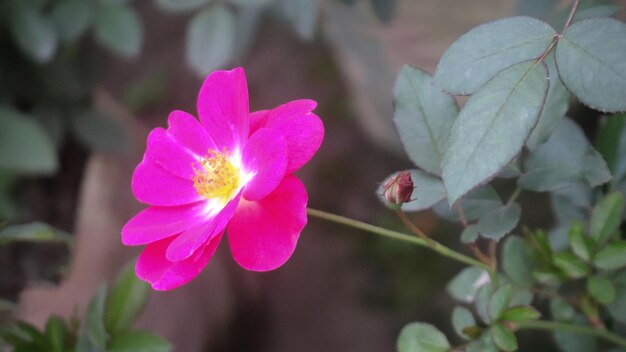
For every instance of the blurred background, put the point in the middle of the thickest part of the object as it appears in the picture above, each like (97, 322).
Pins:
(81, 84)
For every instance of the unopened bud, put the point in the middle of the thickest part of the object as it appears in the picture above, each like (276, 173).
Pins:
(398, 188)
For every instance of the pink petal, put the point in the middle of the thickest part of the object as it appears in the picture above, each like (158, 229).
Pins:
(303, 130)
(263, 234)
(265, 155)
(155, 223)
(163, 275)
(169, 154)
(258, 120)
(153, 185)
(223, 108)
(190, 240)
(188, 131)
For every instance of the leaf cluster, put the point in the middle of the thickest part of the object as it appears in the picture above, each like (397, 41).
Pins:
(520, 75)
(106, 325)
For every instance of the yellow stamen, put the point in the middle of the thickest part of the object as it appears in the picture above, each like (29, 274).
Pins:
(216, 176)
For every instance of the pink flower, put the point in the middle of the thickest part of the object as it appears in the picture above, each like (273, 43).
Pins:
(230, 170)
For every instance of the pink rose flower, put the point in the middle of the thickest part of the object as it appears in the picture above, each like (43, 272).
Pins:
(231, 170)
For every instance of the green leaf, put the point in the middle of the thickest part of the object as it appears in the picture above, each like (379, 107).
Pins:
(56, 333)
(94, 322)
(575, 342)
(483, 298)
(606, 216)
(138, 341)
(118, 28)
(601, 289)
(484, 344)
(590, 60)
(481, 53)
(508, 105)
(597, 11)
(24, 145)
(33, 232)
(469, 234)
(180, 5)
(555, 107)
(581, 244)
(517, 261)
(611, 257)
(570, 265)
(100, 131)
(499, 222)
(71, 18)
(126, 300)
(503, 337)
(520, 313)
(461, 319)
(608, 141)
(464, 286)
(561, 310)
(566, 158)
(384, 9)
(423, 115)
(302, 14)
(617, 309)
(422, 337)
(500, 301)
(210, 39)
(474, 205)
(33, 33)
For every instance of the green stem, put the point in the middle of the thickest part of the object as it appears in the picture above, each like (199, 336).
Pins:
(432, 244)
(556, 326)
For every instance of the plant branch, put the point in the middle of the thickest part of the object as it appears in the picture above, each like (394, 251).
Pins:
(557, 326)
(570, 17)
(435, 246)
(416, 230)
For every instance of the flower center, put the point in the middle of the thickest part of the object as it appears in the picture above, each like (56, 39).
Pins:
(216, 176)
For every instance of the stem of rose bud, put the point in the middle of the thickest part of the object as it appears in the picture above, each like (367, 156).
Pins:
(435, 246)
(416, 230)
(557, 326)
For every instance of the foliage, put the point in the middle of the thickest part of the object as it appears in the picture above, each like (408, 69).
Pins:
(105, 326)
(519, 73)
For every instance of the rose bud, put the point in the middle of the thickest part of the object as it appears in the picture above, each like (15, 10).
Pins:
(398, 188)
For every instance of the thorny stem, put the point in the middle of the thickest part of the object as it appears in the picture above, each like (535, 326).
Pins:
(435, 246)
(558, 326)
(416, 230)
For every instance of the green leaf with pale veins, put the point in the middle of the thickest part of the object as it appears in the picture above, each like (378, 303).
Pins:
(503, 338)
(462, 318)
(557, 103)
(606, 216)
(499, 301)
(520, 313)
(465, 285)
(481, 53)
(566, 158)
(423, 115)
(474, 205)
(590, 59)
(517, 261)
(499, 222)
(601, 289)
(612, 256)
(422, 337)
(570, 265)
(493, 126)
(210, 39)
(126, 300)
